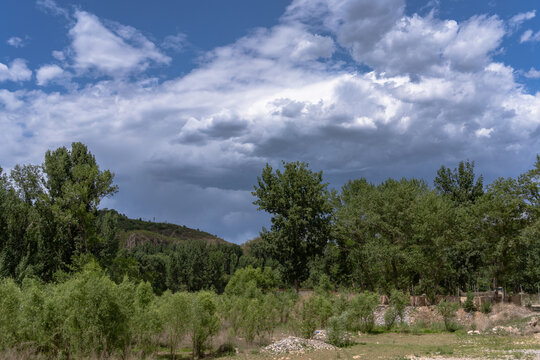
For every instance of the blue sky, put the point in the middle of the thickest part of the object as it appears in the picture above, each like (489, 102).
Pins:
(186, 101)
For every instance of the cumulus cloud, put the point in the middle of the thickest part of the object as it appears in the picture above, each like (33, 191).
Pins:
(194, 145)
(15, 71)
(46, 73)
(10, 100)
(117, 50)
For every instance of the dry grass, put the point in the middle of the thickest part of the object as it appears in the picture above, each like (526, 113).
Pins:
(394, 346)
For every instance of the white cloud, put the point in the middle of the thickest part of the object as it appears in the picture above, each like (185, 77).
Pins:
(483, 132)
(286, 42)
(15, 41)
(16, 71)
(358, 24)
(533, 73)
(115, 51)
(46, 73)
(477, 38)
(529, 35)
(10, 100)
(59, 55)
(518, 19)
(52, 7)
(435, 93)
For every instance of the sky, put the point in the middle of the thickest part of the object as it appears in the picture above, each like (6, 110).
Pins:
(186, 101)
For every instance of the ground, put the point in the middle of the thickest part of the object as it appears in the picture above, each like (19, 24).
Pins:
(475, 340)
(395, 346)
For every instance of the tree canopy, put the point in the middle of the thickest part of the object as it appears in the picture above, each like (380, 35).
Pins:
(298, 201)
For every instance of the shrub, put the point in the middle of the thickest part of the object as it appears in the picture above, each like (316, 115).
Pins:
(10, 300)
(175, 311)
(448, 312)
(314, 313)
(390, 317)
(468, 305)
(398, 303)
(337, 331)
(362, 311)
(93, 320)
(486, 307)
(285, 303)
(204, 322)
(239, 283)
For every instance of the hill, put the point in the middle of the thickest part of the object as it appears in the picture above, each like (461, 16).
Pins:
(135, 232)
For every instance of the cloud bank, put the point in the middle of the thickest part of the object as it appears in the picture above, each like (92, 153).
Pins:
(357, 88)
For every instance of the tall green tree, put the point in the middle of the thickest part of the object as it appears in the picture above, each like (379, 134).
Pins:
(502, 219)
(75, 186)
(298, 200)
(460, 184)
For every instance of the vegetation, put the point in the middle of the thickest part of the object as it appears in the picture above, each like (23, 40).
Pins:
(448, 310)
(77, 281)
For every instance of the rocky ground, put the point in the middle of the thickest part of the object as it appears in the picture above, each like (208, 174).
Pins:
(294, 345)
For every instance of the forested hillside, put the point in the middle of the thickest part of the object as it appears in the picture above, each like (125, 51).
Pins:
(135, 232)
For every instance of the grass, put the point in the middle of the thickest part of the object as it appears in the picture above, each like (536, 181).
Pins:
(402, 345)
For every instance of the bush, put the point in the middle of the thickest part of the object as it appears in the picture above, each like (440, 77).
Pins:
(468, 305)
(285, 303)
(146, 318)
(486, 307)
(248, 278)
(10, 300)
(390, 317)
(362, 311)
(337, 331)
(204, 322)
(398, 303)
(314, 313)
(93, 320)
(175, 311)
(448, 312)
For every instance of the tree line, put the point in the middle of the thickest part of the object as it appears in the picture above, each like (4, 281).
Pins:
(458, 234)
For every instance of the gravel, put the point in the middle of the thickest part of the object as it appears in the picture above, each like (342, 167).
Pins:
(296, 345)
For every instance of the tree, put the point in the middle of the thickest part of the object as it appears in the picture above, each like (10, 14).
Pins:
(298, 201)
(502, 218)
(76, 186)
(459, 183)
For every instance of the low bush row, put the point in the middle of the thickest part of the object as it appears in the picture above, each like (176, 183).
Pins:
(87, 314)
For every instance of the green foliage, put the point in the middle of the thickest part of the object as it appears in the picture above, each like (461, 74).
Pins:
(298, 201)
(314, 313)
(459, 184)
(94, 321)
(10, 301)
(205, 321)
(337, 331)
(448, 310)
(468, 305)
(485, 307)
(362, 311)
(398, 302)
(176, 312)
(240, 282)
